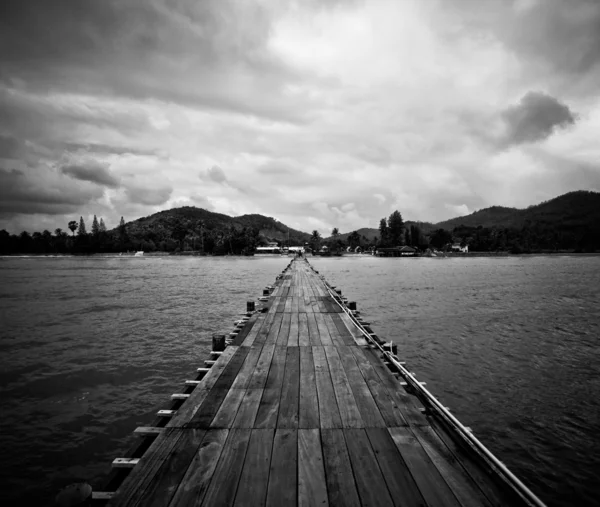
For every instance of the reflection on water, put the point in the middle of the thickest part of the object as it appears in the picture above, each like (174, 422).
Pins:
(90, 348)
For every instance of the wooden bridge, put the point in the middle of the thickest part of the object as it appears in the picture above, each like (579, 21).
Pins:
(301, 409)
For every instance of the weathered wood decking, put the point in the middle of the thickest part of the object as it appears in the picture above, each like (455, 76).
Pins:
(301, 411)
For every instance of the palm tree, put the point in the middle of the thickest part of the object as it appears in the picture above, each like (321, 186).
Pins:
(315, 240)
(73, 226)
(334, 234)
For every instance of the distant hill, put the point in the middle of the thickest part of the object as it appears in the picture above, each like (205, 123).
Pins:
(575, 209)
(190, 216)
(371, 233)
(365, 231)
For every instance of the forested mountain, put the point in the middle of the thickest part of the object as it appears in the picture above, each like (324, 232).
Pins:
(575, 209)
(186, 229)
(568, 222)
(268, 228)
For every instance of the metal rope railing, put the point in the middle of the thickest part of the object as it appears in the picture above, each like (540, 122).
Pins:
(521, 489)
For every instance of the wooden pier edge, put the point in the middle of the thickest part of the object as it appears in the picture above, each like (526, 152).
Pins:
(303, 405)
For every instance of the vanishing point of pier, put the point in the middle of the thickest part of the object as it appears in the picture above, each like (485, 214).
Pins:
(306, 406)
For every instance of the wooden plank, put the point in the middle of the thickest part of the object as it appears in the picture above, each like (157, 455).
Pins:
(312, 486)
(284, 330)
(252, 489)
(268, 409)
(274, 329)
(296, 303)
(261, 370)
(211, 404)
(307, 302)
(164, 484)
(347, 336)
(290, 394)
(334, 333)
(301, 303)
(313, 330)
(293, 336)
(461, 484)
(143, 474)
(303, 333)
(329, 414)
(229, 469)
(263, 332)
(247, 370)
(369, 479)
(349, 411)
(309, 403)
(248, 409)
(192, 488)
(228, 410)
(254, 321)
(283, 478)
(277, 368)
(406, 402)
(432, 485)
(389, 407)
(367, 407)
(288, 304)
(341, 488)
(401, 485)
(496, 495)
(283, 300)
(259, 322)
(323, 330)
(357, 336)
(197, 397)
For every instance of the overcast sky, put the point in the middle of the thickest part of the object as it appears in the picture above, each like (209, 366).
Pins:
(320, 113)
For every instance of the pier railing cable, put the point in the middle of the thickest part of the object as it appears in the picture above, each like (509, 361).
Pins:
(521, 489)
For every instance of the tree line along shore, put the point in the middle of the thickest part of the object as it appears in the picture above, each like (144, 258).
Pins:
(185, 233)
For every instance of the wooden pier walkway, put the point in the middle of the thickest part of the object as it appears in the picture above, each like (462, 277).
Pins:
(301, 410)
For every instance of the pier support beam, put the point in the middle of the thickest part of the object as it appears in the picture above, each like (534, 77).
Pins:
(218, 342)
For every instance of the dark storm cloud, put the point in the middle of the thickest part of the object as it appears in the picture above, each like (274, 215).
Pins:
(92, 172)
(105, 149)
(22, 194)
(9, 147)
(565, 34)
(561, 36)
(179, 51)
(216, 174)
(149, 196)
(535, 118)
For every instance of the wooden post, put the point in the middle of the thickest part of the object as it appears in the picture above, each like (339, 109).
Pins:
(250, 306)
(391, 347)
(218, 342)
(352, 305)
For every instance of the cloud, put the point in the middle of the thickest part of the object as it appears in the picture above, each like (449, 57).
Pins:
(383, 104)
(27, 194)
(92, 172)
(153, 196)
(216, 174)
(9, 147)
(535, 118)
(459, 210)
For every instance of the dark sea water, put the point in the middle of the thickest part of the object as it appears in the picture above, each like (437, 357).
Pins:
(90, 348)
